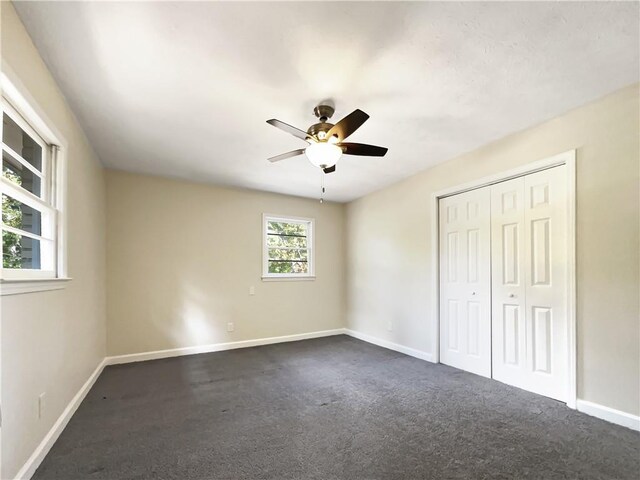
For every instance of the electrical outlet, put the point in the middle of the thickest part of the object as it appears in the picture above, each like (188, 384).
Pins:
(252, 290)
(230, 327)
(41, 398)
(390, 325)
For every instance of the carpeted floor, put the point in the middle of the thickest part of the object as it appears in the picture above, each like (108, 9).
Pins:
(331, 408)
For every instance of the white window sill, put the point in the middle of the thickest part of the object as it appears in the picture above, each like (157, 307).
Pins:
(18, 287)
(289, 278)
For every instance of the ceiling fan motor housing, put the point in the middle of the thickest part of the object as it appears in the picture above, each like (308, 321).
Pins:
(323, 112)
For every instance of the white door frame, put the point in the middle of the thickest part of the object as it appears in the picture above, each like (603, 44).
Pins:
(567, 158)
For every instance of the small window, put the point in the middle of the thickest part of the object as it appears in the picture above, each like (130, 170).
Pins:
(29, 214)
(287, 247)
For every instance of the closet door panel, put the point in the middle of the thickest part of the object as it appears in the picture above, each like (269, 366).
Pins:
(508, 281)
(546, 253)
(465, 281)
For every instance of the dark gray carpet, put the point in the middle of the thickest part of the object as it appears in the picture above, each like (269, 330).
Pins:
(331, 408)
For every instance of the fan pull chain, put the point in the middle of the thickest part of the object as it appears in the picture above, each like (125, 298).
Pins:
(322, 174)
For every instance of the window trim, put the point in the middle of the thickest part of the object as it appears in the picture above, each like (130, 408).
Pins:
(17, 101)
(311, 247)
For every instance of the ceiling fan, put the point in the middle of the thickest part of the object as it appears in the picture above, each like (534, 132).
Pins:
(326, 140)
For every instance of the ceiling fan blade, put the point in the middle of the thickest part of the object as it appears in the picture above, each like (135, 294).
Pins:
(293, 153)
(330, 169)
(348, 125)
(363, 149)
(296, 132)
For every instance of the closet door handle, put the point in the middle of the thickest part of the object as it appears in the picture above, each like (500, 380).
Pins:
(513, 295)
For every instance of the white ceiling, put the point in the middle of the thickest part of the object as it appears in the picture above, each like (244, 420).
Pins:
(184, 89)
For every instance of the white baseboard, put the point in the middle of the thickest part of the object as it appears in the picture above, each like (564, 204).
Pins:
(218, 347)
(34, 461)
(390, 345)
(609, 414)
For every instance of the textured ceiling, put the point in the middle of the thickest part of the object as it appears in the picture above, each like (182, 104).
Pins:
(184, 89)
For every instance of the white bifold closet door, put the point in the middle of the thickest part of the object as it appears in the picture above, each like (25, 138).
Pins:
(465, 281)
(529, 265)
(503, 267)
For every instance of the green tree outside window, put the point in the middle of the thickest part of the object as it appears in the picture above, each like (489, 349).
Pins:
(12, 217)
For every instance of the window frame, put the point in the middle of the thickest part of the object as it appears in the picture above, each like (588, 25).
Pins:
(24, 111)
(310, 222)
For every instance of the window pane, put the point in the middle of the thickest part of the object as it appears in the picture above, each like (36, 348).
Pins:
(274, 240)
(23, 144)
(288, 267)
(291, 229)
(20, 252)
(16, 172)
(18, 215)
(286, 254)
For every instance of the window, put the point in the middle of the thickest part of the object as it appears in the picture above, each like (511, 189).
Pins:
(30, 210)
(287, 248)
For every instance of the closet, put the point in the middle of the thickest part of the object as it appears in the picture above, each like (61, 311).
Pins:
(503, 270)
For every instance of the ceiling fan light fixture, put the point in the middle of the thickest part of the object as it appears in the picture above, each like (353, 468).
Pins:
(323, 154)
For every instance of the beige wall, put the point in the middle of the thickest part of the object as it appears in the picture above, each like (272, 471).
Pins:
(182, 256)
(52, 341)
(389, 243)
